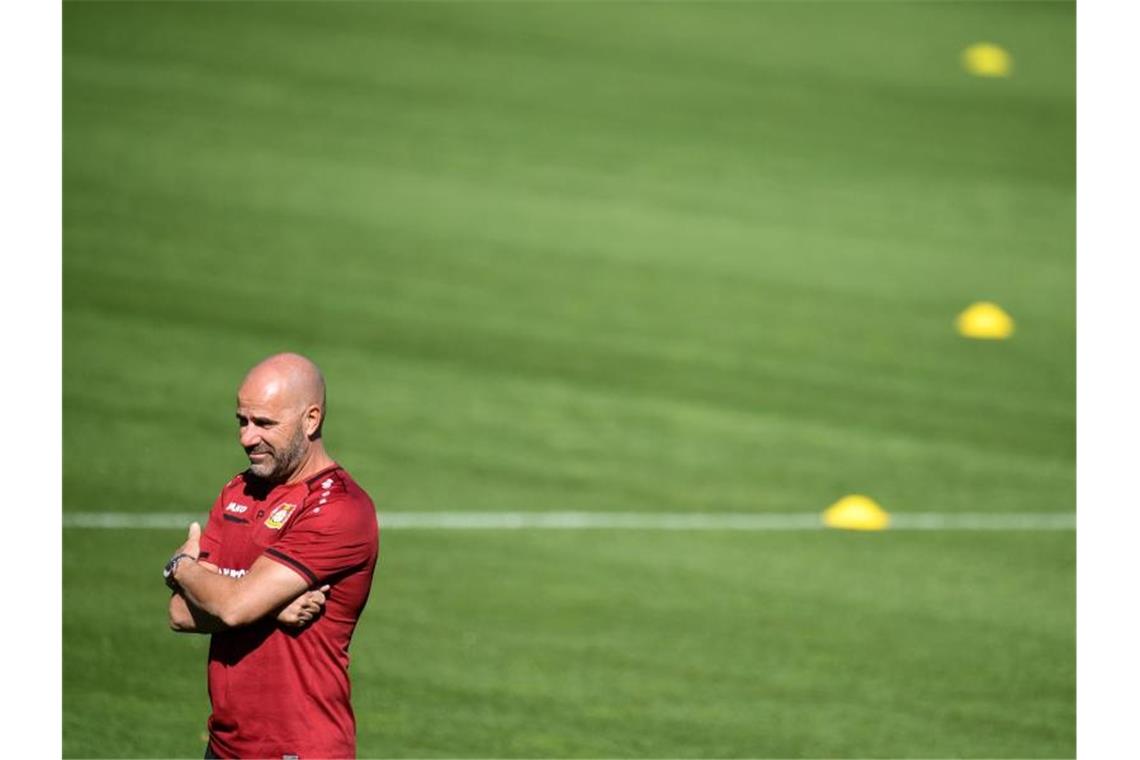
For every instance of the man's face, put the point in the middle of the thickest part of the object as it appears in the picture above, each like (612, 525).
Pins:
(271, 433)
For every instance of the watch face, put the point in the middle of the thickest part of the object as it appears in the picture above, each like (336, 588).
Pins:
(169, 569)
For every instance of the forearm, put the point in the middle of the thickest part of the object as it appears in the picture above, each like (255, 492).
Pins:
(185, 618)
(214, 594)
(263, 591)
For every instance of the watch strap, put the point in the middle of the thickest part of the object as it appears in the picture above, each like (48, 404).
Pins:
(168, 571)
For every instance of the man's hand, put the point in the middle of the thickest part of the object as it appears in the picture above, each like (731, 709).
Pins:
(193, 537)
(304, 609)
(189, 551)
(187, 619)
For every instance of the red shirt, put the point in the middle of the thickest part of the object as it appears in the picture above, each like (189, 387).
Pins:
(274, 691)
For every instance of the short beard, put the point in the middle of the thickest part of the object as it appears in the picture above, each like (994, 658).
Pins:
(283, 462)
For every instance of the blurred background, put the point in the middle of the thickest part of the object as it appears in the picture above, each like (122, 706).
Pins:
(692, 258)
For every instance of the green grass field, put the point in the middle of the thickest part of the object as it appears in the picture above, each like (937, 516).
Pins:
(640, 257)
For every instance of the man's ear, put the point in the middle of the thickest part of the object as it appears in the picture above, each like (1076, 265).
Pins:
(311, 419)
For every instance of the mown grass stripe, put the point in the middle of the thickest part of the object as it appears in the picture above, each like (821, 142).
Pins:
(914, 521)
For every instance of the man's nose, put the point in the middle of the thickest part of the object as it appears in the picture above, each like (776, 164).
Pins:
(249, 436)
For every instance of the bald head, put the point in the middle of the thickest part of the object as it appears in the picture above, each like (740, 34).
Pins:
(291, 378)
(281, 409)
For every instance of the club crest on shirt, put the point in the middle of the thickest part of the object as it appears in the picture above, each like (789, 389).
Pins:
(279, 515)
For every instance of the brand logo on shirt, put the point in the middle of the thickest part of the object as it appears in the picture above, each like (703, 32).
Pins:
(279, 515)
(236, 508)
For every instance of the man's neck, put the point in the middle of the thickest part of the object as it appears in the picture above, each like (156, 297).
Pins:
(315, 461)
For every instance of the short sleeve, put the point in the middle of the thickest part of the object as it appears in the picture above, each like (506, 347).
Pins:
(211, 539)
(328, 540)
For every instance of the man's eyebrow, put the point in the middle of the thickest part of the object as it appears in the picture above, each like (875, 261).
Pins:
(255, 418)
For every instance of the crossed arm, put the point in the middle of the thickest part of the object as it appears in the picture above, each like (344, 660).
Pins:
(207, 601)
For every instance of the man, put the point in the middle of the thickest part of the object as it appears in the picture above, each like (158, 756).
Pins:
(281, 534)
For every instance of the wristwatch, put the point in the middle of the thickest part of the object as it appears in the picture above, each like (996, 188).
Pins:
(168, 571)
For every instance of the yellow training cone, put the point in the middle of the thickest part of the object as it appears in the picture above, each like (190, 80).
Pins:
(986, 59)
(985, 321)
(856, 512)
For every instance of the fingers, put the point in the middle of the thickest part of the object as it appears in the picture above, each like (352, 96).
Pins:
(317, 596)
(305, 609)
(195, 532)
(298, 619)
(313, 604)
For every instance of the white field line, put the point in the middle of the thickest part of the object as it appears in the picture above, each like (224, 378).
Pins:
(975, 521)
